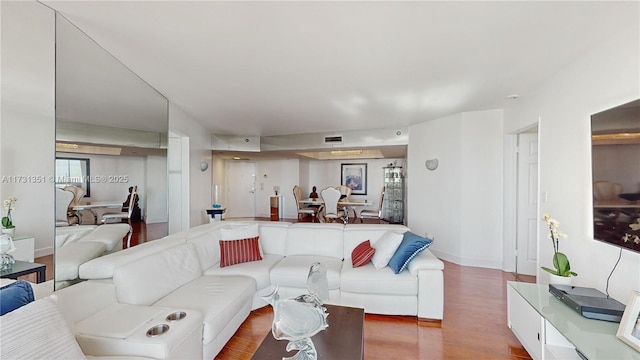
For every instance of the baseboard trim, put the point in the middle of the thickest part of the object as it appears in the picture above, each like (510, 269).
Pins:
(465, 261)
(429, 322)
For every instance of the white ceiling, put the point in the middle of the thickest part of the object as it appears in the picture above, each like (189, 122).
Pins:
(276, 68)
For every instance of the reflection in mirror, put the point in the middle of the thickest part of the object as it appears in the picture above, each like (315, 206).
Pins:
(106, 116)
(73, 172)
(616, 175)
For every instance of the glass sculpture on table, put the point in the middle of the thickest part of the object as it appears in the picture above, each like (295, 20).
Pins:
(298, 319)
(6, 246)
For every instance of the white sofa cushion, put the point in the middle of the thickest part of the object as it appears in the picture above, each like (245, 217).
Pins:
(207, 247)
(37, 331)
(69, 234)
(385, 247)
(369, 280)
(292, 271)
(70, 257)
(218, 298)
(315, 239)
(273, 237)
(84, 299)
(104, 266)
(259, 270)
(238, 231)
(109, 234)
(148, 279)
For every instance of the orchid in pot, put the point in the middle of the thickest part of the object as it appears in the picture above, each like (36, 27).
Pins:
(9, 204)
(560, 260)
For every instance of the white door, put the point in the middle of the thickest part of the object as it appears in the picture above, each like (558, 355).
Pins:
(241, 189)
(526, 232)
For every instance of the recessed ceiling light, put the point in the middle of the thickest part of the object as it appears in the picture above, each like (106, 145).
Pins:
(513, 97)
(346, 152)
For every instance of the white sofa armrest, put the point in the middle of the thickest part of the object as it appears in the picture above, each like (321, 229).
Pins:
(425, 261)
(429, 268)
(82, 300)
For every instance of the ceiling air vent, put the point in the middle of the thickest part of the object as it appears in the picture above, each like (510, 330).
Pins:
(333, 139)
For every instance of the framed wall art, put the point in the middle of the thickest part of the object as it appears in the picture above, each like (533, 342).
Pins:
(629, 329)
(355, 177)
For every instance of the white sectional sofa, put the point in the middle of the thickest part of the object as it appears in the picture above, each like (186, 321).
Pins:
(131, 291)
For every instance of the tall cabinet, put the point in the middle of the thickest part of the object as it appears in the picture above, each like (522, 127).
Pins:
(393, 204)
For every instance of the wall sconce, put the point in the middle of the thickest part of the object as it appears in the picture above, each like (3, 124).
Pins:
(431, 164)
(204, 166)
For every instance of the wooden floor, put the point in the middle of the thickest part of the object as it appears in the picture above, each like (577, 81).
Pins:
(474, 325)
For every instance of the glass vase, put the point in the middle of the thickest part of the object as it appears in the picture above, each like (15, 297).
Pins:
(6, 261)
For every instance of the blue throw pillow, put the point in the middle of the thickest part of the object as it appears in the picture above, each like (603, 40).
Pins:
(410, 247)
(15, 295)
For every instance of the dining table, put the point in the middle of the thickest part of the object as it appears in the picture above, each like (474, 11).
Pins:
(346, 204)
(95, 205)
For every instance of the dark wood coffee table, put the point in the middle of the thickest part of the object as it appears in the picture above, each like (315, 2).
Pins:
(343, 339)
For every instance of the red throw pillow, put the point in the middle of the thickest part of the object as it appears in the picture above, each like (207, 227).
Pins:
(362, 254)
(239, 251)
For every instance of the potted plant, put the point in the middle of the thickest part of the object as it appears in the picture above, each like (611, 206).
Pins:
(7, 223)
(562, 272)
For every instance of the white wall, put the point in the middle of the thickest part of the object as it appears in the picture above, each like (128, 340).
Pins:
(27, 125)
(218, 178)
(200, 182)
(605, 77)
(178, 182)
(157, 187)
(283, 173)
(482, 188)
(459, 203)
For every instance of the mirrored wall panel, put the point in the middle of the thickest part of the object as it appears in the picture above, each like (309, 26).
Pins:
(111, 143)
(616, 175)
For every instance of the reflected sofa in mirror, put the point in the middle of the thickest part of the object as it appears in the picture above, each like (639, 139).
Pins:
(616, 175)
(109, 117)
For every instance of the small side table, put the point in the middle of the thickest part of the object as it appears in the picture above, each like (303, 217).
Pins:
(216, 214)
(21, 268)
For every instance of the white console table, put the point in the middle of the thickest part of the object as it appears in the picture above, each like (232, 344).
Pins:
(549, 329)
(24, 248)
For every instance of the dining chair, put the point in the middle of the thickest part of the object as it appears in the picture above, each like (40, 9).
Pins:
(374, 214)
(78, 195)
(303, 211)
(345, 191)
(63, 199)
(330, 197)
(124, 215)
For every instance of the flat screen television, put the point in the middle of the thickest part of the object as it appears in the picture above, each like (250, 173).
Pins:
(615, 156)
